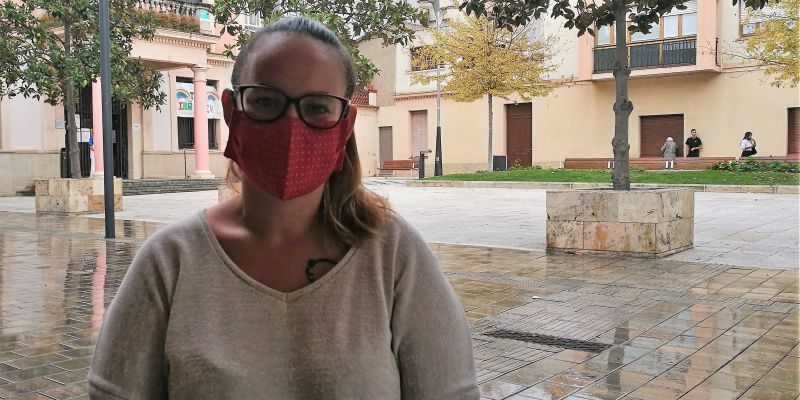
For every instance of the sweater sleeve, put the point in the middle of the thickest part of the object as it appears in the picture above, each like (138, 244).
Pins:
(128, 360)
(430, 334)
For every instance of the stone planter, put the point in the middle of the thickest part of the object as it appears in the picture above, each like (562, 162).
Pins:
(225, 191)
(640, 222)
(74, 196)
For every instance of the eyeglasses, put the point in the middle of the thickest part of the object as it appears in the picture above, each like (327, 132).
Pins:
(266, 104)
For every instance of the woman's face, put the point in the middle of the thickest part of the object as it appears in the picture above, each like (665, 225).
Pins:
(294, 64)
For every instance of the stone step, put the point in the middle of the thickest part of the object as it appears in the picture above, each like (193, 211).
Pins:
(133, 187)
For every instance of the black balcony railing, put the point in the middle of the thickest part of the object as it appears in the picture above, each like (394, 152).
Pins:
(650, 55)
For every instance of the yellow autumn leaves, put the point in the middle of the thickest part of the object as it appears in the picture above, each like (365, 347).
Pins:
(477, 60)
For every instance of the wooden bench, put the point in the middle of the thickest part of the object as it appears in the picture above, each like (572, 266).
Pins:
(658, 163)
(649, 163)
(399, 165)
(587, 163)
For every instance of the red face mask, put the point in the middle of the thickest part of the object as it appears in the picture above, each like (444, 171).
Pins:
(286, 158)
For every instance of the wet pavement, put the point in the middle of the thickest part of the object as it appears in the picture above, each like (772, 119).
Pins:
(750, 230)
(544, 326)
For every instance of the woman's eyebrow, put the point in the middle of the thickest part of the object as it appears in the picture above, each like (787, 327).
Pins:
(313, 92)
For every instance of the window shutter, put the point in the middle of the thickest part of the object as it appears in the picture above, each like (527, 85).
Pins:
(691, 7)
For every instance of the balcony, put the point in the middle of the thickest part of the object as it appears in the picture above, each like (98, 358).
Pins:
(192, 16)
(666, 53)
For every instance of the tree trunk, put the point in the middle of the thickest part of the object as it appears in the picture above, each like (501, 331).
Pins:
(71, 141)
(491, 115)
(622, 107)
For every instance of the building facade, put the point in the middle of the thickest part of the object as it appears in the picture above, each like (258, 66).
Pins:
(682, 79)
(186, 137)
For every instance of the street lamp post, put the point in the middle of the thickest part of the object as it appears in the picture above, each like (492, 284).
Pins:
(437, 160)
(105, 80)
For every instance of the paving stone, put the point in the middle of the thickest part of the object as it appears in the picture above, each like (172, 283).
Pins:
(666, 340)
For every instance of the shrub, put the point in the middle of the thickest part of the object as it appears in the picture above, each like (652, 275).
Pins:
(518, 167)
(168, 20)
(752, 165)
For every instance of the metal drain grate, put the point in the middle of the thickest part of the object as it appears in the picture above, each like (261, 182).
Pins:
(564, 343)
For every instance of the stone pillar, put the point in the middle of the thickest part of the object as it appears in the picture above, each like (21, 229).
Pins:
(201, 163)
(97, 127)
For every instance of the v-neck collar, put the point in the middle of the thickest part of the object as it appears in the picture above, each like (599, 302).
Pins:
(277, 294)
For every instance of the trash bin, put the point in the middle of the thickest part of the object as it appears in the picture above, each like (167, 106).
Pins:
(499, 163)
(64, 163)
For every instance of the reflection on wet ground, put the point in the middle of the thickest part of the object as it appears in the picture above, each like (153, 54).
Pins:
(676, 329)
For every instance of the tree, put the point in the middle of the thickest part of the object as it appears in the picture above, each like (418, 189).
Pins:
(354, 21)
(484, 60)
(776, 43)
(586, 16)
(51, 48)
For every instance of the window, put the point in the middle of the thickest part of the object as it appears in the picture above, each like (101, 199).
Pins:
(671, 26)
(252, 22)
(668, 27)
(689, 25)
(654, 34)
(604, 35)
(421, 60)
(186, 124)
(186, 133)
(750, 21)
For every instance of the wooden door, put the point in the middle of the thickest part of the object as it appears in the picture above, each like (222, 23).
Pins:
(519, 134)
(794, 130)
(654, 131)
(419, 132)
(385, 144)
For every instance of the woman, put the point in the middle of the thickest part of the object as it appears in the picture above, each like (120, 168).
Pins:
(669, 148)
(303, 287)
(748, 145)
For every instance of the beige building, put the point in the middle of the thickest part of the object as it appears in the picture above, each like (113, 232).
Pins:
(680, 81)
(149, 143)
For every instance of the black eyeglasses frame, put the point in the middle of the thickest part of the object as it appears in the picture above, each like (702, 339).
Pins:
(239, 90)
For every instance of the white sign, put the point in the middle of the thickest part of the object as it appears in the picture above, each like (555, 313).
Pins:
(184, 96)
(137, 127)
(85, 134)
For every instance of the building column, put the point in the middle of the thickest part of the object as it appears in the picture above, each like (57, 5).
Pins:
(97, 127)
(585, 57)
(706, 46)
(201, 163)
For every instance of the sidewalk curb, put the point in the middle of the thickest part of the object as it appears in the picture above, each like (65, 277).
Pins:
(776, 189)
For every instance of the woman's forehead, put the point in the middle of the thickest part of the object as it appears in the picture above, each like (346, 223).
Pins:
(296, 64)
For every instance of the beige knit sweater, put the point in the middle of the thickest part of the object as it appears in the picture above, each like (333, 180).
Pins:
(187, 323)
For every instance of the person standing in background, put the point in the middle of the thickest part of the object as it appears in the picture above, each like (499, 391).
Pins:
(748, 145)
(693, 145)
(669, 148)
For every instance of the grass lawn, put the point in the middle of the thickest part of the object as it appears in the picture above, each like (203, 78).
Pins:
(707, 177)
